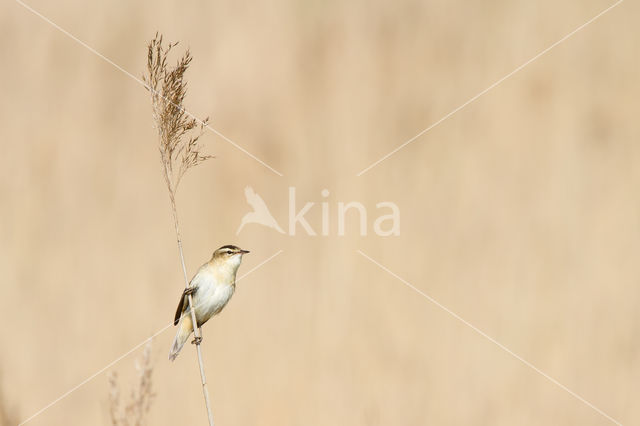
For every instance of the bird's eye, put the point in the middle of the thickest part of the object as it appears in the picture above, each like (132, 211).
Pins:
(229, 252)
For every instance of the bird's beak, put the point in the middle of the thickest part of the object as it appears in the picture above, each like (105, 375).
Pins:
(244, 251)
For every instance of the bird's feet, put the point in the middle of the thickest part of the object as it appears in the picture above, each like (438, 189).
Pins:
(190, 290)
(196, 341)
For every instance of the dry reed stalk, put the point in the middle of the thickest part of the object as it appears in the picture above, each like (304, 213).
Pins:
(136, 409)
(179, 151)
(8, 415)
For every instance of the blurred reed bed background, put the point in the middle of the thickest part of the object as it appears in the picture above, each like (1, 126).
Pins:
(519, 213)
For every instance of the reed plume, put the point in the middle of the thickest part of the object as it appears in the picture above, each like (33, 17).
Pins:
(179, 148)
(135, 410)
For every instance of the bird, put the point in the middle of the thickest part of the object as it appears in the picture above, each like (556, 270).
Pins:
(211, 289)
(260, 213)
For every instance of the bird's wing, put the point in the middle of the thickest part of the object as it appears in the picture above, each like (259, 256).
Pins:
(181, 307)
(183, 304)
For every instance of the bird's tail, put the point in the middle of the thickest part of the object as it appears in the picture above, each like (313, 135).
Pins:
(184, 330)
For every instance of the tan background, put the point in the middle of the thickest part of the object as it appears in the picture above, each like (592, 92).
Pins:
(521, 213)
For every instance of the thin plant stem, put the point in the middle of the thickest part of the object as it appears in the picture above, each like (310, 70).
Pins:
(196, 329)
(178, 150)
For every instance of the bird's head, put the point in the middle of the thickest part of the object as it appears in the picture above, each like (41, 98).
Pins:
(229, 255)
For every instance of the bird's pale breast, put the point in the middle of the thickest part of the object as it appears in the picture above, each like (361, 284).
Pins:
(212, 295)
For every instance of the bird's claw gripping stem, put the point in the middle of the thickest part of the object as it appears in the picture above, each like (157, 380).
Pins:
(197, 340)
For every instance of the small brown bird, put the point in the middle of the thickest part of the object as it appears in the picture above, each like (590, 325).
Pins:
(211, 289)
